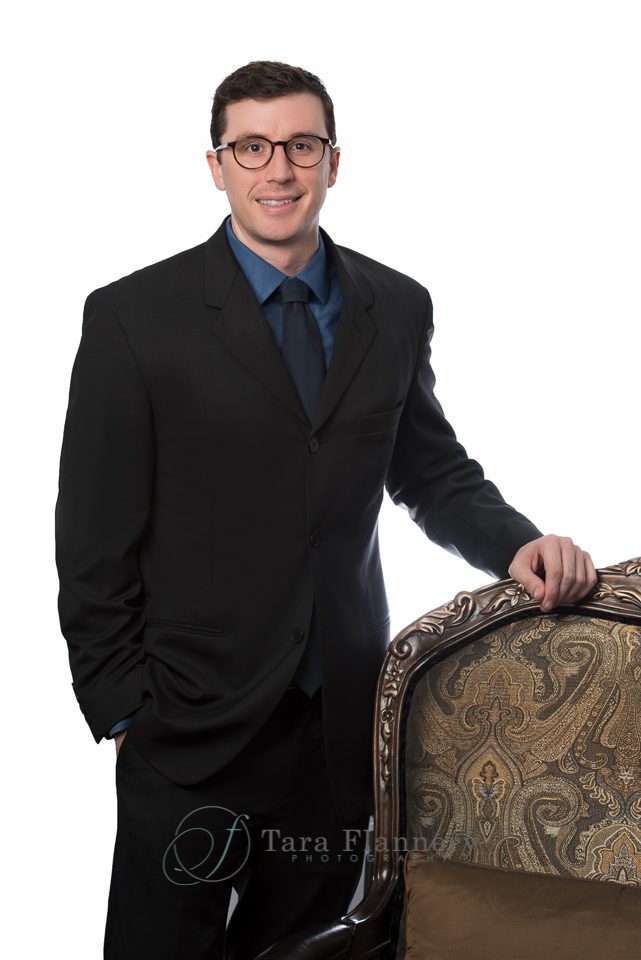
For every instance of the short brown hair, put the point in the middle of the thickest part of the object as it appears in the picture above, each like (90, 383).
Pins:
(266, 80)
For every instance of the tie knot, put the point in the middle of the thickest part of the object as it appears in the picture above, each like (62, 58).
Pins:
(294, 290)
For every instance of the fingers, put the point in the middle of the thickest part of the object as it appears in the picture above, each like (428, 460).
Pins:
(560, 564)
(590, 572)
(585, 578)
(554, 570)
(524, 569)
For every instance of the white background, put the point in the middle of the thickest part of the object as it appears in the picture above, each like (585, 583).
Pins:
(491, 150)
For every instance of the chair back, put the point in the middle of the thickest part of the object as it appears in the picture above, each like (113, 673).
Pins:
(510, 738)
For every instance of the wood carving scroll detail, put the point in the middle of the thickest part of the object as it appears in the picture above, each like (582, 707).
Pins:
(611, 588)
(400, 650)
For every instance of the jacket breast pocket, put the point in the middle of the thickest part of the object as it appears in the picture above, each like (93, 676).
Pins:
(182, 625)
(380, 424)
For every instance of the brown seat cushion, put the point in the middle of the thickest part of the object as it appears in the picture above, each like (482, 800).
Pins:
(458, 911)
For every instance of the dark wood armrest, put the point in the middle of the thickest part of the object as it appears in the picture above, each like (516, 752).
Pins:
(325, 942)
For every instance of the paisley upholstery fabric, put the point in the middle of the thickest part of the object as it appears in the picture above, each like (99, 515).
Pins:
(523, 751)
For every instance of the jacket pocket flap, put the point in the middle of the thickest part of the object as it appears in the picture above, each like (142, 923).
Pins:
(379, 422)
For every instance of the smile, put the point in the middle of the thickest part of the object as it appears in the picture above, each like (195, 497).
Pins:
(278, 203)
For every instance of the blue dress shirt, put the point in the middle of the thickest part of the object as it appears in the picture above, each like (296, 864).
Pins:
(321, 277)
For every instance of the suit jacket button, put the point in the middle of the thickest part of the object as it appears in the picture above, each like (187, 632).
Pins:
(314, 445)
(297, 635)
(314, 538)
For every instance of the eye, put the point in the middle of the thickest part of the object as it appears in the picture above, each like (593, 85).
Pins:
(304, 145)
(254, 147)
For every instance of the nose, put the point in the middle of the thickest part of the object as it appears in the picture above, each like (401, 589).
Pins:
(279, 167)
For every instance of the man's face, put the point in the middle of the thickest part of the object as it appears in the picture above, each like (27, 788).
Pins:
(261, 225)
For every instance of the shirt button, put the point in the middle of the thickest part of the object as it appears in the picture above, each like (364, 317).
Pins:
(314, 538)
(297, 635)
(313, 445)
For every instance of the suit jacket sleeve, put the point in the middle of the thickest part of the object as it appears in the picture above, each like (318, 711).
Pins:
(445, 491)
(107, 467)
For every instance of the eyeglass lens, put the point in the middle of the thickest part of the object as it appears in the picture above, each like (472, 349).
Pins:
(254, 152)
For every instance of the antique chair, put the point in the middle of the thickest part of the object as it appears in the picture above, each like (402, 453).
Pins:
(507, 781)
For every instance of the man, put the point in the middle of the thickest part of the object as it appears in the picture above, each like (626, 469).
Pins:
(229, 435)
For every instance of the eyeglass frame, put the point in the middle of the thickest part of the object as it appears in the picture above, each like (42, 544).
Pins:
(325, 141)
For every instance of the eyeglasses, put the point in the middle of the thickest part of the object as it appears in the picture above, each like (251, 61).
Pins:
(255, 152)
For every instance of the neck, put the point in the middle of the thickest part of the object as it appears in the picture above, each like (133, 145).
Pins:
(290, 257)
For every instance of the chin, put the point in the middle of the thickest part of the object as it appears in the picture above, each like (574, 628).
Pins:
(280, 235)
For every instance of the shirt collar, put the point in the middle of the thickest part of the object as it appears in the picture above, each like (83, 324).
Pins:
(263, 278)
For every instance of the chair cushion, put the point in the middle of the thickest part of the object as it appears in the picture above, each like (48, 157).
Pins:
(457, 911)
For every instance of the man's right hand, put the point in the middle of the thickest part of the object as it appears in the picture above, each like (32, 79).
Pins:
(119, 737)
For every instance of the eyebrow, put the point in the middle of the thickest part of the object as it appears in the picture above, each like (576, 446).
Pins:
(300, 133)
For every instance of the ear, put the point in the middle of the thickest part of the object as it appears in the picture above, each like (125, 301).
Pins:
(333, 166)
(216, 169)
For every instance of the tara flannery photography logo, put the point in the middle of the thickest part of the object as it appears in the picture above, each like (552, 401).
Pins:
(354, 846)
(210, 844)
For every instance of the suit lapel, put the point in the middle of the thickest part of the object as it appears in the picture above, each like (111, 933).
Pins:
(354, 333)
(239, 323)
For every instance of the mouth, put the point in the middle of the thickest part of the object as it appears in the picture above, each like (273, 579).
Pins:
(277, 201)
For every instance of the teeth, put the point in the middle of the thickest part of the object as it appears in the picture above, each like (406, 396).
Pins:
(275, 203)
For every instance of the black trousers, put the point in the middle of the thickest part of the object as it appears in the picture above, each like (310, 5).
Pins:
(265, 826)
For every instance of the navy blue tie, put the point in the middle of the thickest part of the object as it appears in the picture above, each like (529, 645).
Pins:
(303, 353)
(302, 345)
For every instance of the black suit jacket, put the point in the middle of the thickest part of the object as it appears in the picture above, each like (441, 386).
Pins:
(200, 516)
